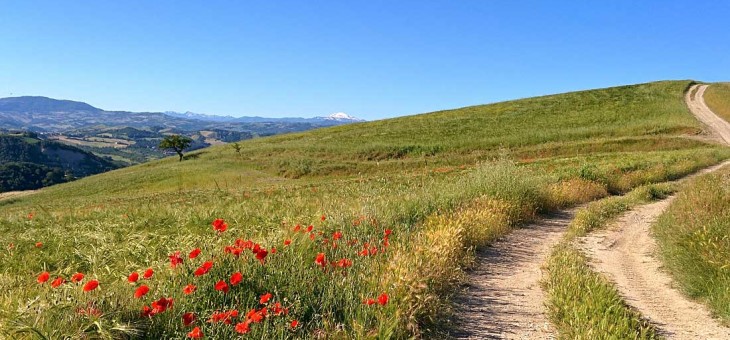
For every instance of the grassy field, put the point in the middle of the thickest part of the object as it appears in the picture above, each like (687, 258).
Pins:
(583, 304)
(717, 98)
(693, 237)
(396, 208)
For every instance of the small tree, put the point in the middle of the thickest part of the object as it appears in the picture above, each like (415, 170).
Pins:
(176, 143)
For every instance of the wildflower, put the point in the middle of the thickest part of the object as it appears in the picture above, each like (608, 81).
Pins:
(204, 268)
(297, 228)
(261, 255)
(194, 253)
(221, 286)
(369, 302)
(320, 260)
(188, 319)
(344, 263)
(388, 232)
(146, 311)
(141, 291)
(30, 216)
(91, 285)
(78, 277)
(337, 235)
(161, 305)
(132, 278)
(189, 289)
(236, 278)
(243, 327)
(287, 242)
(265, 298)
(273, 250)
(220, 225)
(57, 282)
(309, 229)
(323, 218)
(43, 277)
(175, 259)
(256, 316)
(148, 273)
(196, 333)
(383, 299)
(224, 317)
(278, 310)
(39, 244)
(294, 324)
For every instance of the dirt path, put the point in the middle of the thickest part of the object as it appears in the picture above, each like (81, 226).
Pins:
(11, 194)
(625, 253)
(503, 297)
(697, 106)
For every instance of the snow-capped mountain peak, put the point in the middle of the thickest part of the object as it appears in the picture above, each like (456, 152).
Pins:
(341, 116)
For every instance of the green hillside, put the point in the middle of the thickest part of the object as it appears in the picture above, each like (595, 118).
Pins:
(442, 182)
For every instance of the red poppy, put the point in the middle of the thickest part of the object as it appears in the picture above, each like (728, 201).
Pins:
(320, 260)
(148, 273)
(204, 268)
(261, 255)
(369, 302)
(175, 259)
(243, 327)
(78, 277)
(161, 305)
(146, 311)
(224, 317)
(57, 282)
(236, 278)
(337, 235)
(220, 225)
(256, 316)
(265, 298)
(43, 277)
(309, 229)
(196, 333)
(388, 232)
(189, 289)
(344, 263)
(294, 324)
(91, 285)
(383, 299)
(188, 319)
(297, 228)
(39, 244)
(323, 218)
(194, 253)
(287, 242)
(222, 286)
(132, 278)
(141, 291)
(278, 310)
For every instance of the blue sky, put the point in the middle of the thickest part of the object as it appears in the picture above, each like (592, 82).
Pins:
(371, 59)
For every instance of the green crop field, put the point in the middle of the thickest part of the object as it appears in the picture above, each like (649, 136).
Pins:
(396, 208)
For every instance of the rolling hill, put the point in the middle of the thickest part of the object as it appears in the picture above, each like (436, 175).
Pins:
(396, 208)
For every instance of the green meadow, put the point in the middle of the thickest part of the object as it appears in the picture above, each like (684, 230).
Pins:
(396, 208)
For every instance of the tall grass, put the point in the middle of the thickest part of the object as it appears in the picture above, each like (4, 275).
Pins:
(694, 240)
(717, 98)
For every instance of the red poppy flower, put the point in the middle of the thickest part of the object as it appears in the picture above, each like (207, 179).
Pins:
(189, 289)
(78, 277)
(383, 299)
(175, 259)
(337, 235)
(265, 298)
(204, 268)
(278, 310)
(294, 324)
(57, 282)
(297, 228)
(194, 253)
(188, 319)
(256, 316)
(320, 260)
(220, 225)
(369, 302)
(287, 242)
(132, 278)
(161, 305)
(39, 244)
(344, 263)
(236, 278)
(91, 285)
(43, 277)
(243, 327)
(222, 286)
(141, 291)
(309, 229)
(146, 311)
(323, 218)
(196, 333)
(388, 232)
(148, 273)
(261, 255)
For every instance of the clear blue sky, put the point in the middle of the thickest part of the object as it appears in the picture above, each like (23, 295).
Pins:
(371, 59)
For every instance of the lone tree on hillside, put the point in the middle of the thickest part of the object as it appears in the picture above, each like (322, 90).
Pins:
(176, 143)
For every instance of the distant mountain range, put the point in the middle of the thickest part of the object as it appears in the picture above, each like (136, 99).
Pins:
(42, 114)
(132, 137)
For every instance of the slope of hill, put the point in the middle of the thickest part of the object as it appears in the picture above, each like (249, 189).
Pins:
(395, 206)
(28, 162)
